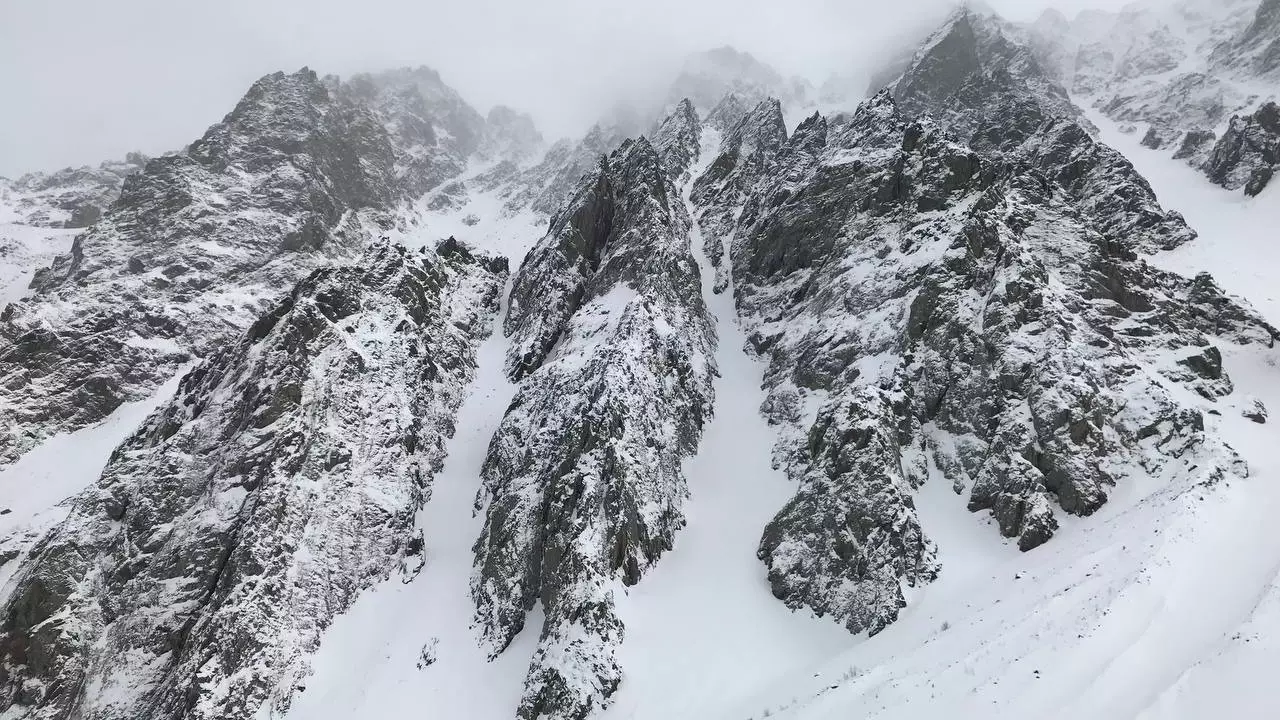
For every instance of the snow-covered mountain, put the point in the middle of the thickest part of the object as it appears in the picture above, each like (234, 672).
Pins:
(1198, 78)
(941, 406)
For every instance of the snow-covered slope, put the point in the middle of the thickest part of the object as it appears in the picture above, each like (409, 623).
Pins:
(1162, 605)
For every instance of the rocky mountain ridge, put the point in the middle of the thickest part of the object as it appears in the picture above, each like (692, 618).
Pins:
(948, 286)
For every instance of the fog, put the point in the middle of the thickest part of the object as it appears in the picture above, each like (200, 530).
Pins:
(85, 80)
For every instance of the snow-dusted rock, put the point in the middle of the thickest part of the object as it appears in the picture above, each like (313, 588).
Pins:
(195, 577)
(920, 301)
(978, 79)
(1248, 154)
(71, 197)
(746, 152)
(583, 483)
(298, 176)
(431, 129)
(1182, 69)
(676, 140)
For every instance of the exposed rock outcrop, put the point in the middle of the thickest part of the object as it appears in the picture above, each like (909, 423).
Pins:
(583, 484)
(990, 335)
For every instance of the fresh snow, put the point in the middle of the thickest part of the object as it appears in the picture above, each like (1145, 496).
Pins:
(24, 249)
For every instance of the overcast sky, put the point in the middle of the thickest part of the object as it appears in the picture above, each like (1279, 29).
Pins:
(86, 80)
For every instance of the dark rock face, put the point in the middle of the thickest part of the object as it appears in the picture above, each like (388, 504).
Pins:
(198, 245)
(747, 152)
(583, 485)
(1248, 153)
(196, 577)
(991, 336)
(992, 93)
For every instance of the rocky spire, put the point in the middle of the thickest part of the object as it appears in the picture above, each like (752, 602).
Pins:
(583, 483)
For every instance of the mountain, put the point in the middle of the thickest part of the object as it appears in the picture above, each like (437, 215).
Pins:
(247, 512)
(71, 197)
(1184, 74)
(883, 413)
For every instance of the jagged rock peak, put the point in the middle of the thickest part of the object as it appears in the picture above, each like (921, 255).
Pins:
(676, 139)
(432, 130)
(197, 246)
(727, 113)
(971, 46)
(250, 510)
(747, 151)
(583, 482)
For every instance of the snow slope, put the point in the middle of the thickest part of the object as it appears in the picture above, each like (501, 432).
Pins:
(1238, 235)
(24, 249)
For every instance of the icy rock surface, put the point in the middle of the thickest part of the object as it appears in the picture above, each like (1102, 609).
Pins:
(583, 483)
(193, 580)
(918, 302)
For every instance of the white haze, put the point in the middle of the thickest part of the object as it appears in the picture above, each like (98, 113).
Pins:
(86, 80)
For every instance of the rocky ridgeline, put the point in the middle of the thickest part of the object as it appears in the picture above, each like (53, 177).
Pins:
(1187, 76)
(71, 197)
(301, 174)
(194, 579)
(991, 92)
(583, 483)
(923, 303)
